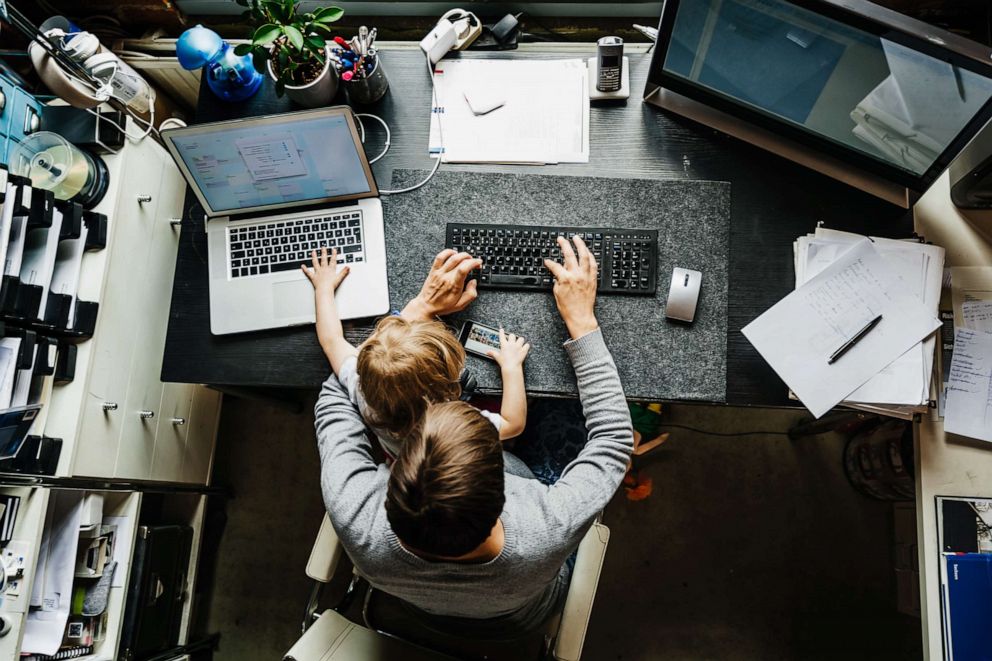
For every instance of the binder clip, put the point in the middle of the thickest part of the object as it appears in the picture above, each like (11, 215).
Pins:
(57, 311)
(44, 364)
(41, 208)
(84, 325)
(65, 363)
(72, 220)
(96, 230)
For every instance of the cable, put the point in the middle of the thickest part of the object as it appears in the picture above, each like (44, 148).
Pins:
(384, 125)
(435, 103)
(718, 433)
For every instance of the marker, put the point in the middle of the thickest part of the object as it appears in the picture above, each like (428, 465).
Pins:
(342, 43)
(844, 348)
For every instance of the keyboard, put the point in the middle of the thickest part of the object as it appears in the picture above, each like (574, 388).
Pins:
(513, 255)
(271, 247)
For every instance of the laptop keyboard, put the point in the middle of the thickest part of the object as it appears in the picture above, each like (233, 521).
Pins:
(285, 244)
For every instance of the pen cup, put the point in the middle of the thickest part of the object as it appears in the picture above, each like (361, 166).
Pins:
(369, 88)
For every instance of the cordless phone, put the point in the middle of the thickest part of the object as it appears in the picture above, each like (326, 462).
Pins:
(610, 62)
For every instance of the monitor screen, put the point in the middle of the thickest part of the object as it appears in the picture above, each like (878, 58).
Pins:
(861, 91)
(272, 162)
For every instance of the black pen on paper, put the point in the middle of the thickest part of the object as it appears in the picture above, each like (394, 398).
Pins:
(844, 348)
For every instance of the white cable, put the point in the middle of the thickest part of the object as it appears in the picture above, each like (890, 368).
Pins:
(384, 125)
(435, 103)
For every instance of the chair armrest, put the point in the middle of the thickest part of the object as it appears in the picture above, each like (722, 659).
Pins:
(326, 553)
(581, 593)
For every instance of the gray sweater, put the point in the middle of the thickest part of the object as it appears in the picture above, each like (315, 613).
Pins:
(543, 525)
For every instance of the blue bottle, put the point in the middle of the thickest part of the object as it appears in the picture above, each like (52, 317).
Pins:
(230, 77)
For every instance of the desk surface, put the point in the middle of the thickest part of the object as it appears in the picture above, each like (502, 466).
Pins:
(946, 465)
(772, 202)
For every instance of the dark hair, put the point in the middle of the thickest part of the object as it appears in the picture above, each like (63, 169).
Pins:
(404, 367)
(445, 490)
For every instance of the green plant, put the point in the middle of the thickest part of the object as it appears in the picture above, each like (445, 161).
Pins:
(291, 40)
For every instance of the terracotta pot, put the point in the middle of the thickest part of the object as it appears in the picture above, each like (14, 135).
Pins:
(319, 92)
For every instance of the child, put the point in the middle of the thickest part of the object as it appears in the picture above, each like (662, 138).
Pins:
(407, 365)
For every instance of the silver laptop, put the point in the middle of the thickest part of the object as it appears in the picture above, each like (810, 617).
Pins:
(275, 188)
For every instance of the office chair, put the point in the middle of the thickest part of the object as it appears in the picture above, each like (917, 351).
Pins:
(329, 636)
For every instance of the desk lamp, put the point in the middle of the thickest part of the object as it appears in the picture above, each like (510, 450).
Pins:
(229, 77)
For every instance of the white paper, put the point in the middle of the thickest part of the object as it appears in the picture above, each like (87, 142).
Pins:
(40, 248)
(977, 315)
(969, 389)
(799, 333)
(906, 381)
(52, 592)
(68, 264)
(544, 117)
(15, 247)
(9, 348)
(6, 220)
(122, 546)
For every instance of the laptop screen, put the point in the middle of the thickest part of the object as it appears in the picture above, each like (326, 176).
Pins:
(273, 162)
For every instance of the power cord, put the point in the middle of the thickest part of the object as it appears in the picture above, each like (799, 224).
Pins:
(435, 103)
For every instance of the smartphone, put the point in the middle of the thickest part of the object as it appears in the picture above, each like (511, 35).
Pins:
(478, 338)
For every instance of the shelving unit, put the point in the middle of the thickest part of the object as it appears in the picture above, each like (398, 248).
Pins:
(145, 445)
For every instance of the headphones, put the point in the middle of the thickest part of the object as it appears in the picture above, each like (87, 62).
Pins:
(468, 383)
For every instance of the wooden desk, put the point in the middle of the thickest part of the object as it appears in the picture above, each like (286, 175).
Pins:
(774, 201)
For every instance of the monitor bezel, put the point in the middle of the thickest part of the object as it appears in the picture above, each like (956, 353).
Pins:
(282, 118)
(865, 17)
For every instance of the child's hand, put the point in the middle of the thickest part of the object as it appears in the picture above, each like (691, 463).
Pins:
(324, 274)
(512, 351)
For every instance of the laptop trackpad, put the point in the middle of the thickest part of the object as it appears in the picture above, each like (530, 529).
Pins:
(292, 299)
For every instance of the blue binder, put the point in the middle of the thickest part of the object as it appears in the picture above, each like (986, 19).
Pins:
(967, 606)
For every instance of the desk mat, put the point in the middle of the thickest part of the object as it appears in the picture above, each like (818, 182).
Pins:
(657, 359)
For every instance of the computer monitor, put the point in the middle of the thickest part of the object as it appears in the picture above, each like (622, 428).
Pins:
(856, 91)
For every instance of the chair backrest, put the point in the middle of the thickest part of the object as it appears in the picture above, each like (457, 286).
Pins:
(334, 638)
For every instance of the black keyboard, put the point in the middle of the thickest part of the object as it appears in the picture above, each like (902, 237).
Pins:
(513, 255)
(282, 245)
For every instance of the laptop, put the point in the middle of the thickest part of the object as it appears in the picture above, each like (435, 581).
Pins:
(275, 188)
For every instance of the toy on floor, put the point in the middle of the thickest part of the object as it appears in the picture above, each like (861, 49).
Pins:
(647, 424)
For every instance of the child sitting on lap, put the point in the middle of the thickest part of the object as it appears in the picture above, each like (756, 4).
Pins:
(405, 366)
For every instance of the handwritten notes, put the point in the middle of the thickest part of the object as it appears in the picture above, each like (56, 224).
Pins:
(799, 333)
(977, 315)
(969, 386)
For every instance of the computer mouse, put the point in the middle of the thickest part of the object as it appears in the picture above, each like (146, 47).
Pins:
(683, 294)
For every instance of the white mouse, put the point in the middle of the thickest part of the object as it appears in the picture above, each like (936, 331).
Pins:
(683, 294)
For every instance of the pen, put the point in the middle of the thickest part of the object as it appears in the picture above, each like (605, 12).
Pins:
(342, 43)
(854, 340)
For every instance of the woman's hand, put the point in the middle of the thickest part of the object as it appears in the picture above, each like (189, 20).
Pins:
(444, 290)
(575, 287)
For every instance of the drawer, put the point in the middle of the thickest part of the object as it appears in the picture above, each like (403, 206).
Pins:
(119, 326)
(201, 438)
(173, 428)
(25, 114)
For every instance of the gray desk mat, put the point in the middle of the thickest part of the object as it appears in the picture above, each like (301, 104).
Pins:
(657, 359)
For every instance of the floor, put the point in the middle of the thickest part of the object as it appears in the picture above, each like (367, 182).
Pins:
(749, 547)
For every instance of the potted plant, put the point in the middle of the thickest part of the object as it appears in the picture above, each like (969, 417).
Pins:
(291, 46)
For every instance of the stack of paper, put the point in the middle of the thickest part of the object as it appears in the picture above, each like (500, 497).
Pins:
(544, 116)
(844, 281)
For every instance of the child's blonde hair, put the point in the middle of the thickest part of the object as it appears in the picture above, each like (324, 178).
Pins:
(404, 367)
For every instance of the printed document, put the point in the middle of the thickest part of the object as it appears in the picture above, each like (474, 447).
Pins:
(799, 333)
(969, 388)
(544, 117)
